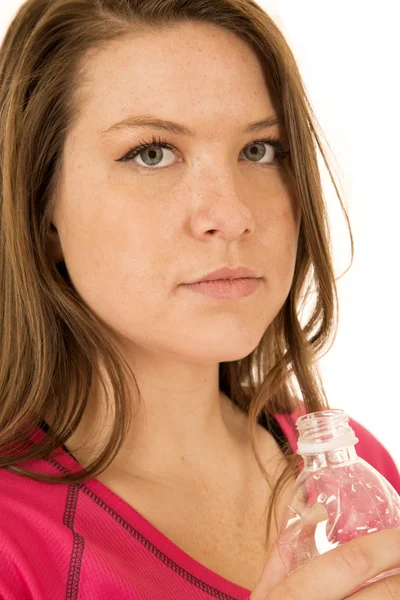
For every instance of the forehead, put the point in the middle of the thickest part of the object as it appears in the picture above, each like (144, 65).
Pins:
(186, 73)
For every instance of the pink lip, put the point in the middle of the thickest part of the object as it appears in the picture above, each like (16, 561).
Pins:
(227, 273)
(225, 288)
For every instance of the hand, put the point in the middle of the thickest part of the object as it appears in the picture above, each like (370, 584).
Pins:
(337, 574)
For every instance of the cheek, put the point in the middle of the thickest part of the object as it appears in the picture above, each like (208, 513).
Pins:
(279, 217)
(113, 255)
(280, 235)
(287, 238)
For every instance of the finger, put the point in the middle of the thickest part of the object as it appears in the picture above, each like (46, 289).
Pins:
(274, 569)
(273, 573)
(336, 574)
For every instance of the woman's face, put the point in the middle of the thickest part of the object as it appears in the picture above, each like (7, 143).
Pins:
(133, 231)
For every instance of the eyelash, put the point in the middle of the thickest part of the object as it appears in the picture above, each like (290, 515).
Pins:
(279, 145)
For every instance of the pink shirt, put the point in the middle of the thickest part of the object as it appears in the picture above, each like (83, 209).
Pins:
(82, 541)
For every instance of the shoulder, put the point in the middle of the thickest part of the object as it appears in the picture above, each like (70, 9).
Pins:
(17, 539)
(32, 531)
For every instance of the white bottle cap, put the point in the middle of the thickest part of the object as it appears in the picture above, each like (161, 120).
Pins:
(347, 439)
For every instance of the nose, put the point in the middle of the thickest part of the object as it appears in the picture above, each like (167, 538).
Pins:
(223, 206)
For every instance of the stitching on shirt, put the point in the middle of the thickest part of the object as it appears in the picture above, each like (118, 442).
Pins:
(74, 570)
(78, 545)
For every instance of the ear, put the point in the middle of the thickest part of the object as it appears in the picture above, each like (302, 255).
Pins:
(54, 244)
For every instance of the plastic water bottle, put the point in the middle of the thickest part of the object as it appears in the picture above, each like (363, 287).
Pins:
(337, 496)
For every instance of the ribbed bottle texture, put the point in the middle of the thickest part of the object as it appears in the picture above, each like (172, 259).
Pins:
(337, 497)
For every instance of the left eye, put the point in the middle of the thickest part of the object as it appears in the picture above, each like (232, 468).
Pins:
(152, 153)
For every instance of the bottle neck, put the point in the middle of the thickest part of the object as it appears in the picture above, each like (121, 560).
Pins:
(324, 431)
(341, 457)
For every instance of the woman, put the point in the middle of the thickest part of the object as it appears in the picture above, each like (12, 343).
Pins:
(147, 423)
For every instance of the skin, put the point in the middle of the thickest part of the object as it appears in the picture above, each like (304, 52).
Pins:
(131, 234)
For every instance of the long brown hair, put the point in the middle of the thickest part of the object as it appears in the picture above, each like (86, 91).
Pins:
(49, 336)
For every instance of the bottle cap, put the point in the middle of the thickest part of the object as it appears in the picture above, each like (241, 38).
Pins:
(347, 439)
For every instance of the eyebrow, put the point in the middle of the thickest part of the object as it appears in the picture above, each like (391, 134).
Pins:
(133, 122)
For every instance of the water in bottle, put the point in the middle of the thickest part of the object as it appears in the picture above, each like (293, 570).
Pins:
(337, 497)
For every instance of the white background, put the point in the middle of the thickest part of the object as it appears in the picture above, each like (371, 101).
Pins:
(348, 54)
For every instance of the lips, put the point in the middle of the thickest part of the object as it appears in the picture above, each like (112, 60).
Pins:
(227, 273)
(226, 288)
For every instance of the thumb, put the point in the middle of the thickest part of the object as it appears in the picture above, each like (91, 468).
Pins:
(273, 573)
(274, 569)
